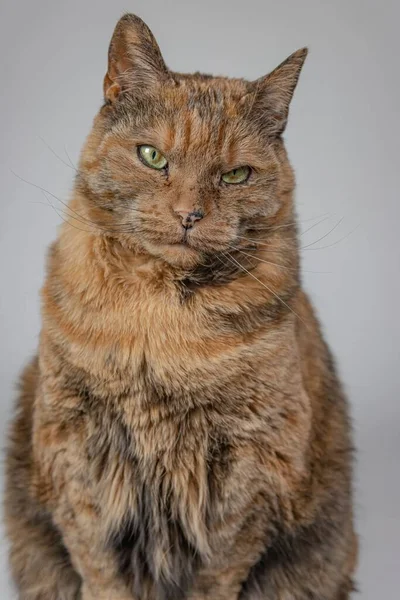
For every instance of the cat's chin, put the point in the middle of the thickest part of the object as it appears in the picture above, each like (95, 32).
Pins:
(179, 255)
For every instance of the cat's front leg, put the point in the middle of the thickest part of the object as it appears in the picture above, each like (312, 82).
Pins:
(94, 593)
(81, 529)
(64, 484)
(306, 567)
(217, 592)
(220, 584)
(90, 593)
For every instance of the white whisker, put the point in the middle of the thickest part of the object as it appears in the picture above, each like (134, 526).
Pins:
(69, 158)
(55, 154)
(61, 216)
(338, 241)
(284, 226)
(229, 257)
(121, 228)
(315, 225)
(324, 236)
(268, 262)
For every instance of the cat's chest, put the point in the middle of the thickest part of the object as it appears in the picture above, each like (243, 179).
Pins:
(163, 461)
(167, 341)
(160, 491)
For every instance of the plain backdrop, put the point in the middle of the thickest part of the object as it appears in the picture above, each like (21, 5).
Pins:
(343, 139)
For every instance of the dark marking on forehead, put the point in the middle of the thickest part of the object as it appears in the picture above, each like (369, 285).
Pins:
(221, 135)
(169, 139)
(232, 151)
(187, 130)
(204, 118)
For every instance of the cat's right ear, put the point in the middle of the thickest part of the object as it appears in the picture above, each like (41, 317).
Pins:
(134, 58)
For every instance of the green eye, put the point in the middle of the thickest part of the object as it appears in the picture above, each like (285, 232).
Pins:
(152, 157)
(239, 175)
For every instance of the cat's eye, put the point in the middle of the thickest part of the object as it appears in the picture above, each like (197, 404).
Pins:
(152, 157)
(239, 175)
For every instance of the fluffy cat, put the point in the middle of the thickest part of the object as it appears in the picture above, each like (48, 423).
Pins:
(182, 433)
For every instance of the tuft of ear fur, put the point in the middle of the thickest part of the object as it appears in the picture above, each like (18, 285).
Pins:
(134, 58)
(274, 92)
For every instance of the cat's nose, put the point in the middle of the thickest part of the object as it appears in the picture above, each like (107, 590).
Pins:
(189, 218)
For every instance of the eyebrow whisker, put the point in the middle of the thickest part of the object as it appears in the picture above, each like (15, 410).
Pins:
(57, 155)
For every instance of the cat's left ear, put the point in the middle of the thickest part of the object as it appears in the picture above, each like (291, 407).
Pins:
(273, 93)
(134, 58)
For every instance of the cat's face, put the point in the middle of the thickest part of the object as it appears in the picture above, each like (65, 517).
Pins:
(184, 167)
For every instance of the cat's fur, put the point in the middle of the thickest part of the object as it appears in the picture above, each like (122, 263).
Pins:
(182, 433)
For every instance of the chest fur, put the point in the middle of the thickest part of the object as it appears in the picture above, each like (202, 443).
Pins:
(158, 484)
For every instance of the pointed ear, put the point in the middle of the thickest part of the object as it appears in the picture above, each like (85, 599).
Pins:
(134, 58)
(273, 93)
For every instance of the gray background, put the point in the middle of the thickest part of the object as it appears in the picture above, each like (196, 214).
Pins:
(343, 139)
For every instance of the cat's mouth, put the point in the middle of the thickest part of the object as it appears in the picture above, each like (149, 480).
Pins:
(184, 242)
(188, 248)
(178, 252)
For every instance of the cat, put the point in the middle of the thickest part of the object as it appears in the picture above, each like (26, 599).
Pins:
(181, 433)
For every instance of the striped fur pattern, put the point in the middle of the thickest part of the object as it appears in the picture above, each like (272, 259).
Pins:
(182, 433)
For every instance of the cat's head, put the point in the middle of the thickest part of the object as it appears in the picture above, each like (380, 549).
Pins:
(184, 167)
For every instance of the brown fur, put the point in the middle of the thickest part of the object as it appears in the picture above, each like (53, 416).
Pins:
(182, 433)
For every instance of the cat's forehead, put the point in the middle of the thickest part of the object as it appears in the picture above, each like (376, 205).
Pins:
(208, 95)
(200, 112)
(193, 115)
(196, 82)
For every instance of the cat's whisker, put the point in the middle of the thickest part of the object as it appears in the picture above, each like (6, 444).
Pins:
(64, 212)
(42, 189)
(315, 225)
(59, 213)
(268, 262)
(315, 218)
(324, 236)
(255, 243)
(56, 155)
(285, 226)
(223, 262)
(294, 270)
(69, 158)
(307, 246)
(38, 202)
(230, 257)
(338, 241)
(123, 228)
(269, 230)
(80, 219)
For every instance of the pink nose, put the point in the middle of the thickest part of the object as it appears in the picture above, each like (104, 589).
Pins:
(189, 218)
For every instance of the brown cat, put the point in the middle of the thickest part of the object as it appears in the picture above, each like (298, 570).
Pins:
(182, 433)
